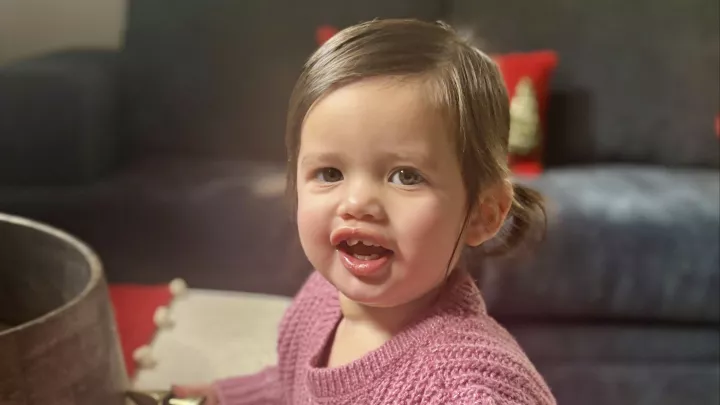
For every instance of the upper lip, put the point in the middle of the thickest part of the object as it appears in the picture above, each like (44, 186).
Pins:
(343, 234)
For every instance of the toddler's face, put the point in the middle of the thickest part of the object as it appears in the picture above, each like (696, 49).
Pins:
(377, 167)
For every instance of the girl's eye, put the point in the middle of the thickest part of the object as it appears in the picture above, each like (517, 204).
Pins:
(329, 175)
(406, 177)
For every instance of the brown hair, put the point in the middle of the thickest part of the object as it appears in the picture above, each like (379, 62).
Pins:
(468, 87)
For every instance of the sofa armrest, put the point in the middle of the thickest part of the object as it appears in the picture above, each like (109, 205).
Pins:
(57, 118)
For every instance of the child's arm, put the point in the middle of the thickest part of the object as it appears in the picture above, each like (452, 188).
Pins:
(263, 388)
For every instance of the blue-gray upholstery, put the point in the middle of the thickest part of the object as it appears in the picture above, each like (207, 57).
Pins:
(623, 242)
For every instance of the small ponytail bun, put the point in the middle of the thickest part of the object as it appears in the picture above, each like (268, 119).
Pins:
(527, 217)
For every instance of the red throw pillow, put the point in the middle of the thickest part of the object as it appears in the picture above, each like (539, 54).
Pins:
(527, 77)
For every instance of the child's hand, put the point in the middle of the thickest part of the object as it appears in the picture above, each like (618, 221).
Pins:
(189, 391)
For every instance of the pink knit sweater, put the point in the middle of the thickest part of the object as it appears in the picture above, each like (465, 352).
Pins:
(453, 354)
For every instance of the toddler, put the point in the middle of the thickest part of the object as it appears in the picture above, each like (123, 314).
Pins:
(397, 138)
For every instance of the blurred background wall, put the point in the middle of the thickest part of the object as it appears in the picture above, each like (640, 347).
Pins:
(31, 27)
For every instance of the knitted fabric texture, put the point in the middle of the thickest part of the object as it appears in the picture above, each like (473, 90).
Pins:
(453, 354)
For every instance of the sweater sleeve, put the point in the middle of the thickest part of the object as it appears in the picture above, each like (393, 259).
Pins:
(262, 388)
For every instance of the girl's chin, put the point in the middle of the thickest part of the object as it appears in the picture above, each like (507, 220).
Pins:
(359, 291)
(388, 288)
(370, 301)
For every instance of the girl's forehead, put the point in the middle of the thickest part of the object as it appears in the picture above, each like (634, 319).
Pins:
(385, 110)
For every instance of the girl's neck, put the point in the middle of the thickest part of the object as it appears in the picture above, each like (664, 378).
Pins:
(387, 321)
(364, 328)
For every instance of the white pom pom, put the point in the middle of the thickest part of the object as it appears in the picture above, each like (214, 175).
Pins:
(143, 357)
(162, 318)
(178, 287)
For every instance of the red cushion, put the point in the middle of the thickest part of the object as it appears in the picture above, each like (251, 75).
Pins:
(519, 69)
(135, 307)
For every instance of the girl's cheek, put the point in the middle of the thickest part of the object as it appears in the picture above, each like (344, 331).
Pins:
(421, 216)
(428, 225)
(313, 217)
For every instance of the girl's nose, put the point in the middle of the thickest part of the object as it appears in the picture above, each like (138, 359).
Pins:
(362, 201)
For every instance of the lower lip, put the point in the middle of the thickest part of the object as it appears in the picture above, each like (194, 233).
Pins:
(362, 268)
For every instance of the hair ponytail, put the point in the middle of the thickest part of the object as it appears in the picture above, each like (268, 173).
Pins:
(527, 217)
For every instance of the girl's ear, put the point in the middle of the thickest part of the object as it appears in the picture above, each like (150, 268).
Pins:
(489, 214)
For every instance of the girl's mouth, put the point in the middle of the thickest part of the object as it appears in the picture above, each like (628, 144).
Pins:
(363, 259)
(363, 250)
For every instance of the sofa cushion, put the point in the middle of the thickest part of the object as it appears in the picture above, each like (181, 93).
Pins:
(625, 242)
(58, 118)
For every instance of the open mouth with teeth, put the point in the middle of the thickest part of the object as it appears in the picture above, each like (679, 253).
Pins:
(363, 250)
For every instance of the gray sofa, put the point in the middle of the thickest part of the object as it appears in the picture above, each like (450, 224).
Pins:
(620, 305)
(165, 157)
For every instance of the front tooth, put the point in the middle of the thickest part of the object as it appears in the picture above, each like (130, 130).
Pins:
(373, 256)
(352, 242)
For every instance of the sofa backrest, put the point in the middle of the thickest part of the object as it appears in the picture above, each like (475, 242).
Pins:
(213, 77)
(637, 81)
